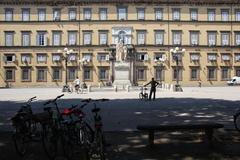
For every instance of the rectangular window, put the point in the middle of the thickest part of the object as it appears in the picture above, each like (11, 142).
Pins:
(225, 73)
(211, 15)
(141, 37)
(194, 38)
(56, 57)
(41, 58)
(212, 73)
(56, 14)
(194, 74)
(193, 14)
(140, 13)
(159, 57)
(103, 73)
(72, 14)
(212, 36)
(26, 38)
(237, 38)
(103, 38)
(9, 38)
(226, 57)
(8, 14)
(56, 38)
(194, 57)
(42, 74)
(26, 74)
(237, 14)
(103, 57)
(72, 37)
(87, 57)
(225, 14)
(72, 57)
(122, 13)
(141, 74)
(72, 73)
(25, 14)
(177, 38)
(87, 74)
(237, 71)
(159, 73)
(225, 37)
(159, 37)
(9, 58)
(212, 57)
(177, 74)
(158, 13)
(103, 13)
(87, 38)
(26, 58)
(57, 73)
(176, 14)
(41, 38)
(10, 74)
(237, 57)
(142, 56)
(87, 13)
(42, 14)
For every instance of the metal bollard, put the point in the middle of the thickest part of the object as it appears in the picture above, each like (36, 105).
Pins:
(128, 88)
(89, 88)
(115, 88)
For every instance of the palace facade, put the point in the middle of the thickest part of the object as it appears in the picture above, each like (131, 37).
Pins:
(34, 33)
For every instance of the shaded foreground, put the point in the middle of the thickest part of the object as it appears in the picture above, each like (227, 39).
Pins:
(132, 146)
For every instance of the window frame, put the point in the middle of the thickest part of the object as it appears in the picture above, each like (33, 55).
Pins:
(11, 11)
(126, 12)
(13, 70)
(29, 74)
(44, 74)
(29, 13)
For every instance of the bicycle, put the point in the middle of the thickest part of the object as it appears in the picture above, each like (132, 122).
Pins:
(236, 121)
(80, 135)
(27, 127)
(52, 131)
(143, 95)
(97, 150)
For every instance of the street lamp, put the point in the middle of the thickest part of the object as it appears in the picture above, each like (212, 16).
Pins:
(66, 52)
(177, 54)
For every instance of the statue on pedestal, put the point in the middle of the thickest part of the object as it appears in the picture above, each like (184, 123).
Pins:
(121, 51)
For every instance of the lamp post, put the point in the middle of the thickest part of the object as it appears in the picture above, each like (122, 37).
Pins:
(66, 52)
(177, 54)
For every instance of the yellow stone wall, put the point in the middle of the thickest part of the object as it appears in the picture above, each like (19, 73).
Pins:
(95, 25)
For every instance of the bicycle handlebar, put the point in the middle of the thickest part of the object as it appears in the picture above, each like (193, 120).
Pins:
(54, 100)
(31, 99)
(94, 100)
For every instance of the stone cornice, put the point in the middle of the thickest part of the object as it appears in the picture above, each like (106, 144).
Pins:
(79, 2)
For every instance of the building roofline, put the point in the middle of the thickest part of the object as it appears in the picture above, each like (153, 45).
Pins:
(77, 2)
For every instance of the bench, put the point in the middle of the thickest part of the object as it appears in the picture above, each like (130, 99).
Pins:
(207, 127)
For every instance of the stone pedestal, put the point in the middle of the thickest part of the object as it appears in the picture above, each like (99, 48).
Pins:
(122, 74)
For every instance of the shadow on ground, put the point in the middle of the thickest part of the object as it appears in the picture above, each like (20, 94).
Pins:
(121, 115)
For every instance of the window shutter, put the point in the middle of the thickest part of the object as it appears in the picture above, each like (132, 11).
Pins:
(107, 57)
(45, 40)
(146, 57)
(13, 58)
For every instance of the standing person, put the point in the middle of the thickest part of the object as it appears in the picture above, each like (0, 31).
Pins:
(77, 84)
(153, 88)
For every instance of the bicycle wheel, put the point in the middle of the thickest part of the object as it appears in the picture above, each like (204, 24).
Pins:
(98, 150)
(21, 141)
(237, 121)
(50, 141)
